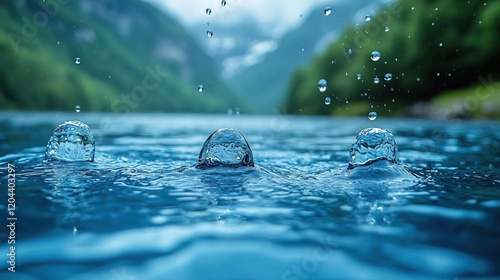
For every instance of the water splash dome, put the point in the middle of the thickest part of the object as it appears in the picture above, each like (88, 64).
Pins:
(71, 141)
(371, 145)
(225, 147)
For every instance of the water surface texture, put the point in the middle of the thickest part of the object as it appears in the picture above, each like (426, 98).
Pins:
(143, 210)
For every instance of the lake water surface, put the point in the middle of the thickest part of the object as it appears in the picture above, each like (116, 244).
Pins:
(141, 211)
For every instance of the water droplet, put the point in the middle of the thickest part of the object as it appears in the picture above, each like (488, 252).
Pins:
(78, 109)
(237, 111)
(372, 145)
(349, 51)
(230, 112)
(322, 85)
(358, 76)
(375, 56)
(372, 116)
(328, 11)
(386, 29)
(418, 79)
(200, 88)
(78, 60)
(210, 34)
(58, 42)
(376, 80)
(225, 147)
(440, 44)
(368, 18)
(328, 101)
(223, 3)
(208, 11)
(388, 77)
(71, 141)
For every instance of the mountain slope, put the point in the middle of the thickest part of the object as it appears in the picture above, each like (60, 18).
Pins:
(432, 46)
(133, 58)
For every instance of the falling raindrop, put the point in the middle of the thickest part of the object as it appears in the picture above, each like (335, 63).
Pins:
(376, 80)
(372, 116)
(223, 3)
(388, 77)
(328, 101)
(322, 85)
(349, 51)
(375, 56)
(78, 60)
(210, 33)
(440, 44)
(386, 29)
(358, 76)
(328, 11)
(368, 18)
(78, 109)
(208, 11)
(200, 88)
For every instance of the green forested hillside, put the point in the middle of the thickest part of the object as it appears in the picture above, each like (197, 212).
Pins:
(431, 46)
(133, 58)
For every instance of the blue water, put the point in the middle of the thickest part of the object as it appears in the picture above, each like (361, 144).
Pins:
(142, 210)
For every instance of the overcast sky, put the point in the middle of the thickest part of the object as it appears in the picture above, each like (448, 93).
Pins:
(280, 15)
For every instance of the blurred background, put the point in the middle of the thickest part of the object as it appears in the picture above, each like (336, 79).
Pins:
(433, 58)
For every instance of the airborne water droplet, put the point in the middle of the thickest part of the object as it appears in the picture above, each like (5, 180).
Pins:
(78, 109)
(368, 18)
(200, 88)
(78, 60)
(328, 11)
(328, 101)
(322, 85)
(376, 80)
(358, 76)
(386, 29)
(388, 77)
(210, 33)
(223, 3)
(375, 56)
(372, 116)
(208, 11)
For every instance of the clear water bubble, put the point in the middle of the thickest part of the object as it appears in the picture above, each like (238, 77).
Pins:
(78, 109)
(200, 88)
(71, 141)
(78, 60)
(372, 145)
(223, 3)
(322, 84)
(376, 80)
(368, 18)
(372, 116)
(375, 55)
(328, 11)
(225, 147)
(208, 11)
(388, 77)
(209, 33)
(328, 101)
(358, 76)
(386, 29)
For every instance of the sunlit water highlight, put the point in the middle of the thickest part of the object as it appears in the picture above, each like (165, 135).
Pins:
(142, 211)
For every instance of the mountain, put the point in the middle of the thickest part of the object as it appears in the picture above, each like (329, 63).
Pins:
(132, 57)
(265, 83)
(429, 47)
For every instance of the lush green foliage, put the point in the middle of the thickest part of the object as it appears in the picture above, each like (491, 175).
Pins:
(120, 43)
(431, 46)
